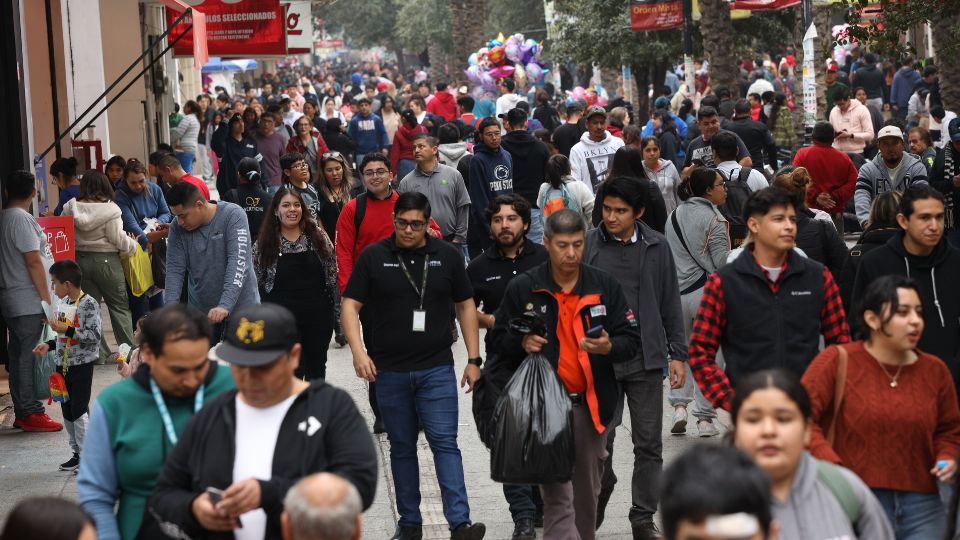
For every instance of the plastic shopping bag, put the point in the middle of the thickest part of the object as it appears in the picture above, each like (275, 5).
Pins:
(533, 427)
(138, 271)
(44, 366)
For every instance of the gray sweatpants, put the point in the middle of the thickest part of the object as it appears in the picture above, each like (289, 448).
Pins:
(24, 335)
(702, 408)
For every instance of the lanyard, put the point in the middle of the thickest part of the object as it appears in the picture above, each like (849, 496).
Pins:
(165, 414)
(423, 288)
(66, 344)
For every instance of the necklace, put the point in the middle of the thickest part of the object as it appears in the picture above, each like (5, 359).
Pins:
(893, 379)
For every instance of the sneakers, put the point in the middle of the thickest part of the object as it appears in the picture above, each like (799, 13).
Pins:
(679, 420)
(707, 428)
(71, 464)
(37, 422)
(407, 533)
(473, 531)
(523, 530)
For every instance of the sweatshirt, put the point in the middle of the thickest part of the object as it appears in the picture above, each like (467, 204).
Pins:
(443, 104)
(832, 171)
(126, 445)
(215, 260)
(368, 132)
(529, 156)
(590, 160)
(98, 228)
(874, 179)
(707, 236)
(403, 144)
(83, 334)
(813, 512)
(452, 153)
(491, 174)
(136, 207)
(855, 120)
(186, 134)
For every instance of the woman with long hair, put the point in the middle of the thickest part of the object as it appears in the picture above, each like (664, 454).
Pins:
(771, 416)
(559, 186)
(141, 202)
(816, 234)
(628, 161)
(888, 410)
(64, 174)
(665, 129)
(114, 170)
(296, 267)
(185, 136)
(307, 141)
(100, 242)
(699, 238)
(780, 123)
(881, 226)
(662, 171)
(390, 116)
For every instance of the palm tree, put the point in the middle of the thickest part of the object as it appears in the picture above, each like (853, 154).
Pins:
(467, 33)
(718, 45)
(945, 39)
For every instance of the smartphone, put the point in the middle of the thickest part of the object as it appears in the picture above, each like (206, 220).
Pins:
(595, 332)
(216, 495)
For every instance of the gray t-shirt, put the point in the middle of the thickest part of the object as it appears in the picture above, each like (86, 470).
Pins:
(20, 234)
(447, 193)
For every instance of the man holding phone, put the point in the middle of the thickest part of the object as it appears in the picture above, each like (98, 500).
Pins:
(572, 298)
(640, 260)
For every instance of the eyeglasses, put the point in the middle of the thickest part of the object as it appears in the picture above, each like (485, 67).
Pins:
(378, 172)
(416, 225)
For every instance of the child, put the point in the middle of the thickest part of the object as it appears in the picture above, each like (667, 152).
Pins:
(77, 342)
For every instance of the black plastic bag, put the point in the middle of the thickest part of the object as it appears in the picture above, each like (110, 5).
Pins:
(533, 427)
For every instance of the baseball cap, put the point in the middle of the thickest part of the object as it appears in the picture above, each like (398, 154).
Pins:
(889, 131)
(514, 117)
(257, 335)
(574, 107)
(594, 110)
(284, 97)
(831, 67)
(954, 130)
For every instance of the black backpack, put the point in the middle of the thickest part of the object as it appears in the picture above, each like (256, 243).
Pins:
(737, 194)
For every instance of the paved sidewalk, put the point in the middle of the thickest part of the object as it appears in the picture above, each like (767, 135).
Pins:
(29, 464)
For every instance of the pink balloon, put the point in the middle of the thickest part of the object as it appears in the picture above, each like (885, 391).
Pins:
(578, 92)
(502, 72)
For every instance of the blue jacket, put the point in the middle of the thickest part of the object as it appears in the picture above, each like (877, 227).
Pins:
(136, 207)
(368, 132)
(491, 174)
(903, 82)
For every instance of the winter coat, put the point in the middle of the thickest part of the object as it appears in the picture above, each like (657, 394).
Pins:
(98, 228)
(873, 180)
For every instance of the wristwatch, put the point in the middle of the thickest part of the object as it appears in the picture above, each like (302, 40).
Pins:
(475, 361)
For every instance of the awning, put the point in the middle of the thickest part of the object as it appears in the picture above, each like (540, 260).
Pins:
(218, 65)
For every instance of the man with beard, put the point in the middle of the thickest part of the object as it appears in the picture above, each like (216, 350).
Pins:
(510, 255)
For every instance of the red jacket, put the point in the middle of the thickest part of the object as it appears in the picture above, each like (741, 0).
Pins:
(832, 172)
(443, 104)
(294, 145)
(403, 144)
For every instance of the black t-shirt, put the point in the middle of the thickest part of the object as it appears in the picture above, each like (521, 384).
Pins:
(567, 135)
(254, 202)
(490, 272)
(388, 297)
(699, 149)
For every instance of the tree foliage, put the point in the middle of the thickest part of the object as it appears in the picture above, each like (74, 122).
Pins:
(885, 35)
(371, 26)
(513, 16)
(422, 22)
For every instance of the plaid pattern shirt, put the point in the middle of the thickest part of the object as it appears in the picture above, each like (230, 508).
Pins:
(711, 320)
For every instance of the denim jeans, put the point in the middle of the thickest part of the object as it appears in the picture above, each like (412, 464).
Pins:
(535, 234)
(143, 304)
(524, 501)
(690, 391)
(24, 335)
(430, 396)
(186, 160)
(914, 516)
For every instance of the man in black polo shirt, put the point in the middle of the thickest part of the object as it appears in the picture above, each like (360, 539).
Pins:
(410, 282)
(510, 255)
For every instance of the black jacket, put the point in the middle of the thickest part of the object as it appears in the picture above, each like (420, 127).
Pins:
(599, 292)
(871, 79)
(869, 240)
(758, 139)
(939, 292)
(942, 180)
(820, 241)
(205, 454)
(229, 153)
(529, 163)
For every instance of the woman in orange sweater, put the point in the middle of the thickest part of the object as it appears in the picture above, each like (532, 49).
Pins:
(888, 411)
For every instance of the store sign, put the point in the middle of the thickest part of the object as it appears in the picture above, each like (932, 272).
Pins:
(59, 233)
(248, 28)
(652, 15)
(299, 23)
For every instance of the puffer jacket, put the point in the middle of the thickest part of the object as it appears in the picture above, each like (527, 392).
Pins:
(98, 228)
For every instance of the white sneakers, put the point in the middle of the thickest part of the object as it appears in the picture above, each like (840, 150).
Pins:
(679, 420)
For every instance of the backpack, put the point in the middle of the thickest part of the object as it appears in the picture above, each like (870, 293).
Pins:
(737, 194)
(832, 477)
(554, 199)
(358, 213)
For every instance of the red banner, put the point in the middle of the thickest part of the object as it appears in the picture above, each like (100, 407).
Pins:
(763, 5)
(248, 28)
(59, 231)
(652, 15)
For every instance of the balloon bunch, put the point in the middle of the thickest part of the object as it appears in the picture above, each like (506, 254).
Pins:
(514, 57)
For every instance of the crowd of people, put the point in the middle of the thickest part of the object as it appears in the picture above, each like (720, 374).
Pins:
(699, 258)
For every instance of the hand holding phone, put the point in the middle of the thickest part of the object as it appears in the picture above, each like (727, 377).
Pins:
(595, 332)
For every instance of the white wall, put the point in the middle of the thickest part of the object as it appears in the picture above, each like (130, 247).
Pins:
(83, 59)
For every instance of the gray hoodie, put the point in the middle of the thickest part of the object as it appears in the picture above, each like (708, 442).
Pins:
(215, 259)
(452, 153)
(874, 180)
(813, 512)
(707, 235)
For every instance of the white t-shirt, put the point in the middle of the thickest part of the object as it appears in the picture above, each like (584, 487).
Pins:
(256, 438)
(756, 181)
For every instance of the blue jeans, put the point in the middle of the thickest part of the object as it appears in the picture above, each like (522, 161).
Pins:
(186, 161)
(914, 516)
(141, 305)
(430, 396)
(535, 234)
(405, 167)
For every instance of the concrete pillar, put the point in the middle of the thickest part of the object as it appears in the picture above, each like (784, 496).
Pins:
(83, 59)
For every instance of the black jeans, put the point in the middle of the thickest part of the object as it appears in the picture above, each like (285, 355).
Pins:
(524, 501)
(644, 396)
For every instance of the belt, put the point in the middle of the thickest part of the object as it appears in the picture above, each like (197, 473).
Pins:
(576, 399)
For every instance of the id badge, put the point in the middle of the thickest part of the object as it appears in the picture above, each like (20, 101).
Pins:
(419, 320)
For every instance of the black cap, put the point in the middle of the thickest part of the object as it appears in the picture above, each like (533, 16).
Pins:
(575, 107)
(257, 335)
(409, 116)
(514, 117)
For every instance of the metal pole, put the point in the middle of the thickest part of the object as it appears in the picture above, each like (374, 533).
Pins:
(135, 79)
(688, 75)
(54, 95)
(111, 87)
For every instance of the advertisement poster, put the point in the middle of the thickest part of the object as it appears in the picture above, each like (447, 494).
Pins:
(236, 29)
(652, 15)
